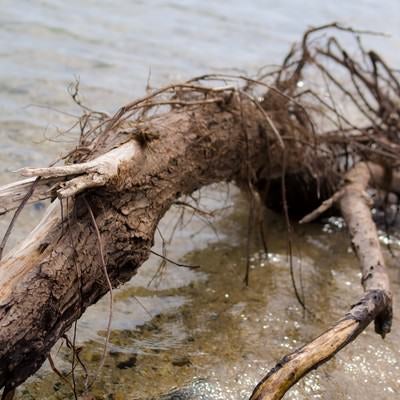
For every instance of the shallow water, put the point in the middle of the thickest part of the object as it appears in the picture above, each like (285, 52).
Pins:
(201, 328)
(206, 334)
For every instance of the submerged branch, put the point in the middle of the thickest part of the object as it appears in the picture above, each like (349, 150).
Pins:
(375, 305)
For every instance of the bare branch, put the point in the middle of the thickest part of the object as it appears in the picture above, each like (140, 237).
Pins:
(375, 305)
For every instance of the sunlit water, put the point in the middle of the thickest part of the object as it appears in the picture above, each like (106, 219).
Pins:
(199, 330)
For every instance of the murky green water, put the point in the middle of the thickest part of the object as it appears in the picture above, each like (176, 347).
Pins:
(199, 329)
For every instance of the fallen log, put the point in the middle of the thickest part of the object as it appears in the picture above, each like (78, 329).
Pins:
(128, 169)
(56, 273)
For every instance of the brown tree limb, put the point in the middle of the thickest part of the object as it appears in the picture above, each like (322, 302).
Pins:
(375, 305)
(42, 292)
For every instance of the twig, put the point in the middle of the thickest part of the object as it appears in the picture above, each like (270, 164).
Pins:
(16, 215)
(326, 205)
(58, 373)
(104, 266)
(174, 262)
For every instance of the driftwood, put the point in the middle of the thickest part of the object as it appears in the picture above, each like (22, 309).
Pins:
(56, 273)
(375, 305)
(128, 169)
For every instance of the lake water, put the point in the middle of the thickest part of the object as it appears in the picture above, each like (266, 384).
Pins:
(197, 329)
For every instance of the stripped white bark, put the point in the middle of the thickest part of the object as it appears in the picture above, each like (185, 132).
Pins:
(94, 173)
(54, 180)
(355, 204)
(15, 264)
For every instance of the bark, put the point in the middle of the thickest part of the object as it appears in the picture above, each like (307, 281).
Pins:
(48, 282)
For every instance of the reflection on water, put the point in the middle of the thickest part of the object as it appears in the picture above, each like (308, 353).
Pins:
(199, 330)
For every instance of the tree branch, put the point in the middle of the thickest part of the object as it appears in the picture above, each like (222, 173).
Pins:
(375, 305)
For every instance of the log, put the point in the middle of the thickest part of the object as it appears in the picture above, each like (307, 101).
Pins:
(128, 169)
(55, 274)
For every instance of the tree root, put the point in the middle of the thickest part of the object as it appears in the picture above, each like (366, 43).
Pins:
(375, 305)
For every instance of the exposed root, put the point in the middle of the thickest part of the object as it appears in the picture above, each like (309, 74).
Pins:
(58, 373)
(294, 366)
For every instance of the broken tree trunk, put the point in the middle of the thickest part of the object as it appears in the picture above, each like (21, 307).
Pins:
(48, 282)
